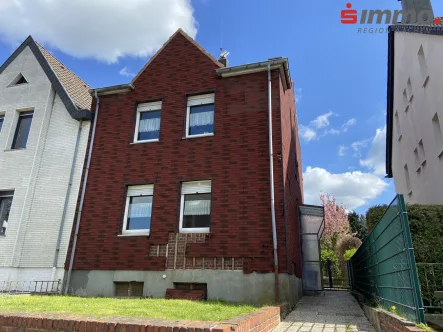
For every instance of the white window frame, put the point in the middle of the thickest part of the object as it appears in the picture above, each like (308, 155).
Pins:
(182, 206)
(205, 99)
(146, 107)
(142, 190)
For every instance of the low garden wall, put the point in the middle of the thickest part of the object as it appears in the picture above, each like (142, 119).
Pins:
(384, 321)
(264, 319)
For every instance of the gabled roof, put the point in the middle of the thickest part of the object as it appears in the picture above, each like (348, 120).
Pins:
(70, 88)
(423, 28)
(184, 34)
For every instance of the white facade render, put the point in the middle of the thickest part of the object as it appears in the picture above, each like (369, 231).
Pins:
(415, 112)
(44, 128)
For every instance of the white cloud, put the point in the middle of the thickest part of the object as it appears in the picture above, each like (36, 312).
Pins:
(298, 92)
(101, 29)
(348, 124)
(331, 131)
(322, 121)
(306, 133)
(352, 189)
(125, 72)
(358, 145)
(342, 150)
(375, 160)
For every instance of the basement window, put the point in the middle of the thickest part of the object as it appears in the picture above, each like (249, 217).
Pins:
(195, 207)
(200, 116)
(129, 289)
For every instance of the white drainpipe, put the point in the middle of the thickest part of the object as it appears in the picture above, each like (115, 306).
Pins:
(82, 198)
(271, 171)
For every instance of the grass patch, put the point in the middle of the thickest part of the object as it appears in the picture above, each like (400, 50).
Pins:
(140, 308)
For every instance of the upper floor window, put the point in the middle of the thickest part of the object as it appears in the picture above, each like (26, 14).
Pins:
(5, 208)
(2, 118)
(138, 210)
(200, 116)
(22, 130)
(195, 207)
(147, 128)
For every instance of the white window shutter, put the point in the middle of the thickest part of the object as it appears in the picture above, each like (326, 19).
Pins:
(195, 187)
(155, 106)
(201, 99)
(144, 190)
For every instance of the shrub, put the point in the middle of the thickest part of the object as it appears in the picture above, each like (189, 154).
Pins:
(349, 253)
(346, 243)
(426, 224)
(330, 254)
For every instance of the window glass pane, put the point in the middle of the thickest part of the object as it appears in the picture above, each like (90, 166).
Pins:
(22, 131)
(2, 118)
(149, 126)
(197, 211)
(5, 208)
(201, 119)
(139, 213)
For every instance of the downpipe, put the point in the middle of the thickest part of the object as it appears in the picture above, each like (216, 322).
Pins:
(271, 170)
(82, 197)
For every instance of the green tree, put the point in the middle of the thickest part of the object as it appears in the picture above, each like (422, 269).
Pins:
(357, 225)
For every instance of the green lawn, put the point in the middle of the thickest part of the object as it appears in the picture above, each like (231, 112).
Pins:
(139, 308)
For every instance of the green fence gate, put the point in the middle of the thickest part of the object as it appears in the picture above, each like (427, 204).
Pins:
(383, 269)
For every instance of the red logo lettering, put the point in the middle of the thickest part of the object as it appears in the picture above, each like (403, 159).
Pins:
(349, 16)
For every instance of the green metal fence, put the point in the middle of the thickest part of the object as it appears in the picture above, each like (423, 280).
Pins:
(383, 269)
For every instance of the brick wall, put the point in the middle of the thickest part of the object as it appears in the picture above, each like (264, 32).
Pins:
(391, 323)
(263, 320)
(235, 159)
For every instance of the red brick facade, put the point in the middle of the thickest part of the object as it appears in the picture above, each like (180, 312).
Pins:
(235, 159)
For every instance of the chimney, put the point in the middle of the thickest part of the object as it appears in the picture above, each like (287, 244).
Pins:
(224, 58)
(422, 9)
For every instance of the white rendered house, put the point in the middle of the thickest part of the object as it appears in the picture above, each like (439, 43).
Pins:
(415, 112)
(44, 128)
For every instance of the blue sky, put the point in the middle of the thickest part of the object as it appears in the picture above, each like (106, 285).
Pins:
(339, 74)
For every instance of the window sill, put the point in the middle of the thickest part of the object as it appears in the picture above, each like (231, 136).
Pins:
(20, 149)
(197, 136)
(425, 81)
(194, 230)
(14, 85)
(142, 142)
(134, 234)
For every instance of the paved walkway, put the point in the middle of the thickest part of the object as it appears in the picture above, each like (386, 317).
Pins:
(336, 311)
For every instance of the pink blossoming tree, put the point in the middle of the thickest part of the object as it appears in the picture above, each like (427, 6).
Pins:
(336, 221)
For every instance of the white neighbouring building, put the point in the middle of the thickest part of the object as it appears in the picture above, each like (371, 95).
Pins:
(414, 140)
(44, 128)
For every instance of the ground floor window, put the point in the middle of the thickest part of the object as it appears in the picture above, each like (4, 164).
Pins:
(5, 209)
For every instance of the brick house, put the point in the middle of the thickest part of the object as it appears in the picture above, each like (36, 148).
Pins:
(44, 128)
(178, 199)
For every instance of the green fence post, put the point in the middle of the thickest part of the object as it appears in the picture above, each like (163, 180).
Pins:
(420, 311)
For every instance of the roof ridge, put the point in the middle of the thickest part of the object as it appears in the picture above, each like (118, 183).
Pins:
(190, 39)
(44, 49)
(76, 88)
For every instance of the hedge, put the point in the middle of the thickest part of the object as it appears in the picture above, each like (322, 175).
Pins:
(426, 224)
